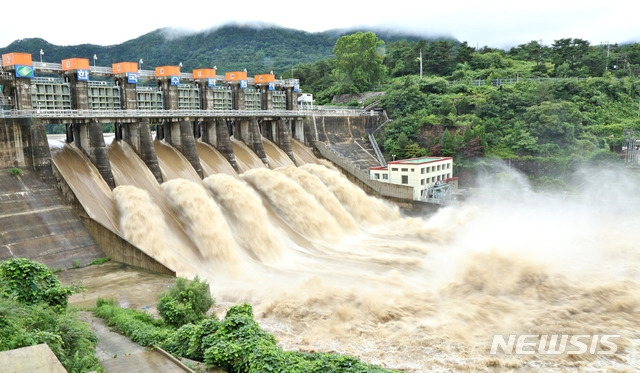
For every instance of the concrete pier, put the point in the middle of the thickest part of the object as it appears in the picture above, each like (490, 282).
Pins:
(248, 131)
(216, 133)
(138, 135)
(88, 137)
(180, 136)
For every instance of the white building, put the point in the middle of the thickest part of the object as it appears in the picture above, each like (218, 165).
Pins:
(420, 173)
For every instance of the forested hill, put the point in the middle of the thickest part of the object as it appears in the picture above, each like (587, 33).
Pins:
(229, 48)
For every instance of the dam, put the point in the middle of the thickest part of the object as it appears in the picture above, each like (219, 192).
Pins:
(326, 266)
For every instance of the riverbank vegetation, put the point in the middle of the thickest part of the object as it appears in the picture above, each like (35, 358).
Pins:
(33, 310)
(236, 343)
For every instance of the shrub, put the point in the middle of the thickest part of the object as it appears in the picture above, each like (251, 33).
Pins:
(139, 326)
(236, 344)
(33, 311)
(231, 345)
(15, 171)
(99, 261)
(186, 302)
(32, 282)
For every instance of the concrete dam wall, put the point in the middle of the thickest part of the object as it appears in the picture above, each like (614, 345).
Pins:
(345, 135)
(40, 218)
(35, 222)
(43, 220)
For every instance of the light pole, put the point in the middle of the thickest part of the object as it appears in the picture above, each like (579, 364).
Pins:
(95, 57)
(141, 62)
(41, 54)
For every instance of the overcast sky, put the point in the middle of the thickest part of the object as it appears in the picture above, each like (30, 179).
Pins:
(495, 23)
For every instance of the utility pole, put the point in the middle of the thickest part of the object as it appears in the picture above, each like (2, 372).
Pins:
(606, 67)
(420, 63)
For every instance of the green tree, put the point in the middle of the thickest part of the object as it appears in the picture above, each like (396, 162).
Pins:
(403, 98)
(447, 144)
(569, 51)
(398, 58)
(359, 62)
(413, 150)
(553, 123)
(464, 52)
(594, 62)
(31, 283)
(439, 57)
(186, 302)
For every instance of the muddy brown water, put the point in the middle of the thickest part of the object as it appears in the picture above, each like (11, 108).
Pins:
(131, 287)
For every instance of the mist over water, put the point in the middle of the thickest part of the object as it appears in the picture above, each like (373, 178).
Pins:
(329, 268)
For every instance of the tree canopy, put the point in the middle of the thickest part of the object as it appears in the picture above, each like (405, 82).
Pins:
(358, 64)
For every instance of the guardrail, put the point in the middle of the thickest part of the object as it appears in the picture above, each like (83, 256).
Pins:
(499, 82)
(401, 192)
(186, 113)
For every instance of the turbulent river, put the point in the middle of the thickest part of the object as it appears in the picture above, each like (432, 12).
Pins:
(329, 268)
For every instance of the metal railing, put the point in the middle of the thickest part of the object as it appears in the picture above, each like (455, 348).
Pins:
(376, 148)
(403, 192)
(499, 82)
(114, 113)
(160, 113)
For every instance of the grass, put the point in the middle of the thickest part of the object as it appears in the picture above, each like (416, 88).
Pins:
(99, 261)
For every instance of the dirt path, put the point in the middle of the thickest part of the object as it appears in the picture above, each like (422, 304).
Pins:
(117, 354)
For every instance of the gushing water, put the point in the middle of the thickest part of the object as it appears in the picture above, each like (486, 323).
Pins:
(247, 215)
(363, 208)
(314, 186)
(298, 208)
(143, 225)
(204, 220)
(419, 294)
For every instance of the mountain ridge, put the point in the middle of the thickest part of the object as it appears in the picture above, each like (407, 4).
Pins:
(259, 48)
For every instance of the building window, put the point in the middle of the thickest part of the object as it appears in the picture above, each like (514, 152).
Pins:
(385, 177)
(422, 170)
(422, 182)
(433, 179)
(405, 179)
(404, 169)
(438, 168)
(394, 169)
(448, 166)
(377, 176)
